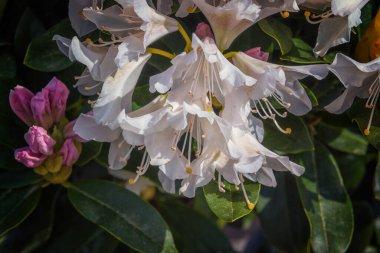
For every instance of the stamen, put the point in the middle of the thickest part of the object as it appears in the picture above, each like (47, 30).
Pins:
(316, 19)
(220, 183)
(250, 205)
(160, 52)
(374, 91)
(230, 54)
(185, 37)
(285, 14)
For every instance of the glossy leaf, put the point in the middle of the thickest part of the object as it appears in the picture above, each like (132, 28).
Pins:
(18, 178)
(298, 141)
(301, 53)
(123, 214)
(363, 227)
(192, 232)
(230, 205)
(28, 28)
(361, 115)
(90, 150)
(8, 66)
(43, 54)
(377, 179)
(342, 139)
(278, 31)
(16, 206)
(282, 216)
(326, 202)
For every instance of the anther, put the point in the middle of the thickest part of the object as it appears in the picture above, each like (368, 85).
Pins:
(189, 170)
(131, 181)
(250, 206)
(285, 14)
(307, 14)
(366, 132)
(288, 130)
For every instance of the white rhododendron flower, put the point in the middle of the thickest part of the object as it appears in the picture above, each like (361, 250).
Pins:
(341, 16)
(135, 26)
(228, 19)
(279, 84)
(361, 80)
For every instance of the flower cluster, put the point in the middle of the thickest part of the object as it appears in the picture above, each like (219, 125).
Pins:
(206, 121)
(53, 147)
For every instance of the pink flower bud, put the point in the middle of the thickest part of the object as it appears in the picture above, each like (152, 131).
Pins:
(39, 141)
(29, 158)
(69, 152)
(68, 132)
(258, 54)
(203, 31)
(58, 94)
(41, 109)
(19, 99)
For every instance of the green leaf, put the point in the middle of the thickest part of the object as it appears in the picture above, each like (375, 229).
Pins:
(142, 95)
(230, 205)
(18, 178)
(298, 141)
(326, 202)
(301, 53)
(377, 179)
(16, 206)
(192, 232)
(278, 31)
(282, 216)
(342, 139)
(8, 66)
(363, 227)
(28, 28)
(353, 170)
(123, 214)
(43, 54)
(90, 150)
(73, 238)
(361, 115)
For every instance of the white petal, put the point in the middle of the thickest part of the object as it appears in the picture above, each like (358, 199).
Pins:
(87, 128)
(117, 154)
(230, 20)
(117, 92)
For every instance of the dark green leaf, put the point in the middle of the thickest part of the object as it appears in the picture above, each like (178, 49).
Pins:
(43, 54)
(73, 238)
(326, 202)
(342, 139)
(361, 115)
(230, 205)
(123, 214)
(298, 141)
(353, 170)
(27, 29)
(8, 66)
(282, 216)
(363, 227)
(278, 31)
(377, 179)
(301, 53)
(16, 206)
(90, 151)
(18, 178)
(192, 232)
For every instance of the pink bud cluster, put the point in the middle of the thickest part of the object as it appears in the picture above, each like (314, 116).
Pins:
(50, 134)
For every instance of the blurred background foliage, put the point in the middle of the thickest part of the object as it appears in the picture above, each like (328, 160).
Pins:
(333, 207)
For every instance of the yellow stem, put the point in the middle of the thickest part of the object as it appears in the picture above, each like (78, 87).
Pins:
(185, 37)
(230, 54)
(160, 52)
